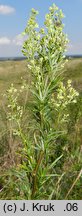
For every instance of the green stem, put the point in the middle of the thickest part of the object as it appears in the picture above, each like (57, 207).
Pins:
(35, 171)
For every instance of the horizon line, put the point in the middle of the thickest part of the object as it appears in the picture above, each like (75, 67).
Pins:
(26, 57)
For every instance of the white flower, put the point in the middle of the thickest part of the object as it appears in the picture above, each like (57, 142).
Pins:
(74, 101)
(15, 90)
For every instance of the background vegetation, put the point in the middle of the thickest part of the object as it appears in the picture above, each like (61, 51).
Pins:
(41, 117)
(11, 72)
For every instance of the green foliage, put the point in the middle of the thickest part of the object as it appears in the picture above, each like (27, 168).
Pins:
(41, 170)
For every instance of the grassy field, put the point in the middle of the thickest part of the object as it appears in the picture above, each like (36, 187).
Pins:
(74, 72)
(11, 72)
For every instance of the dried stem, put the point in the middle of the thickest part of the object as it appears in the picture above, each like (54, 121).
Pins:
(79, 175)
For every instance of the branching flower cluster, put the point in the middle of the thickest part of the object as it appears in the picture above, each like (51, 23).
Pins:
(15, 111)
(61, 100)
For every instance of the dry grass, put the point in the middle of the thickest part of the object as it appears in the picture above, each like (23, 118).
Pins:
(74, 72)
(11, 72)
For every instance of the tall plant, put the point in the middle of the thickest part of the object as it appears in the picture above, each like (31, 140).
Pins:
(44, 51)
(47, 105)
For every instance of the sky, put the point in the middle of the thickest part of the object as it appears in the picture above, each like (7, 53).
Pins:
(15, 13)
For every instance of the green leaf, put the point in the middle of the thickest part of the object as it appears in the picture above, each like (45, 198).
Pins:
(54, 163)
